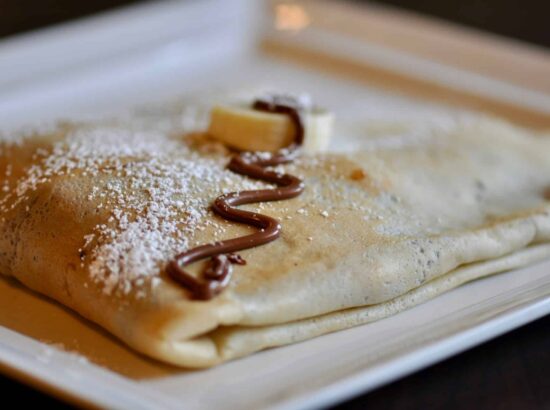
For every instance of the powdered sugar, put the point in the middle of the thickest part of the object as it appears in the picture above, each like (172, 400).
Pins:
(154, 186)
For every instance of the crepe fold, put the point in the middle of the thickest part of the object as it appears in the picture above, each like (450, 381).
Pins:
(91, 214)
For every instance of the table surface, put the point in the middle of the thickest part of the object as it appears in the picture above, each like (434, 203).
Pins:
(509, 372)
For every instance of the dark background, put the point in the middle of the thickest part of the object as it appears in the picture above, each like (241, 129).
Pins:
(528, 20)
(511, 372)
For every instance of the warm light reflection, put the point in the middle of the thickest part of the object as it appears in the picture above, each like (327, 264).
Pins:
(290, 17)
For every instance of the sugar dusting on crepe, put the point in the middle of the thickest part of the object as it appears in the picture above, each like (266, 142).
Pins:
(164, 200)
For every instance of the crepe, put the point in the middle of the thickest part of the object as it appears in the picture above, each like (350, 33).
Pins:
(90, 215)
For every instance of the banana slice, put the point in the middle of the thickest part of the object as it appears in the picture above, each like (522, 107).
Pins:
(247, 129)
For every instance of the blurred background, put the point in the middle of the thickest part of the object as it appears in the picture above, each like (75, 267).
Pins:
(525, 20)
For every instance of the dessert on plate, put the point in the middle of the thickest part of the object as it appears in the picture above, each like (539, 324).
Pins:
(202, 246)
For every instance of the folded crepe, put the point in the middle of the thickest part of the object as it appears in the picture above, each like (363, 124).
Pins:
(90, 215)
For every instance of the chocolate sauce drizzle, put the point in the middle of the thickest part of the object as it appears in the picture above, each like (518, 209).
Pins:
(217, 274)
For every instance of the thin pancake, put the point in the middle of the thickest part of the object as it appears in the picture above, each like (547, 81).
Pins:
(91, 215)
